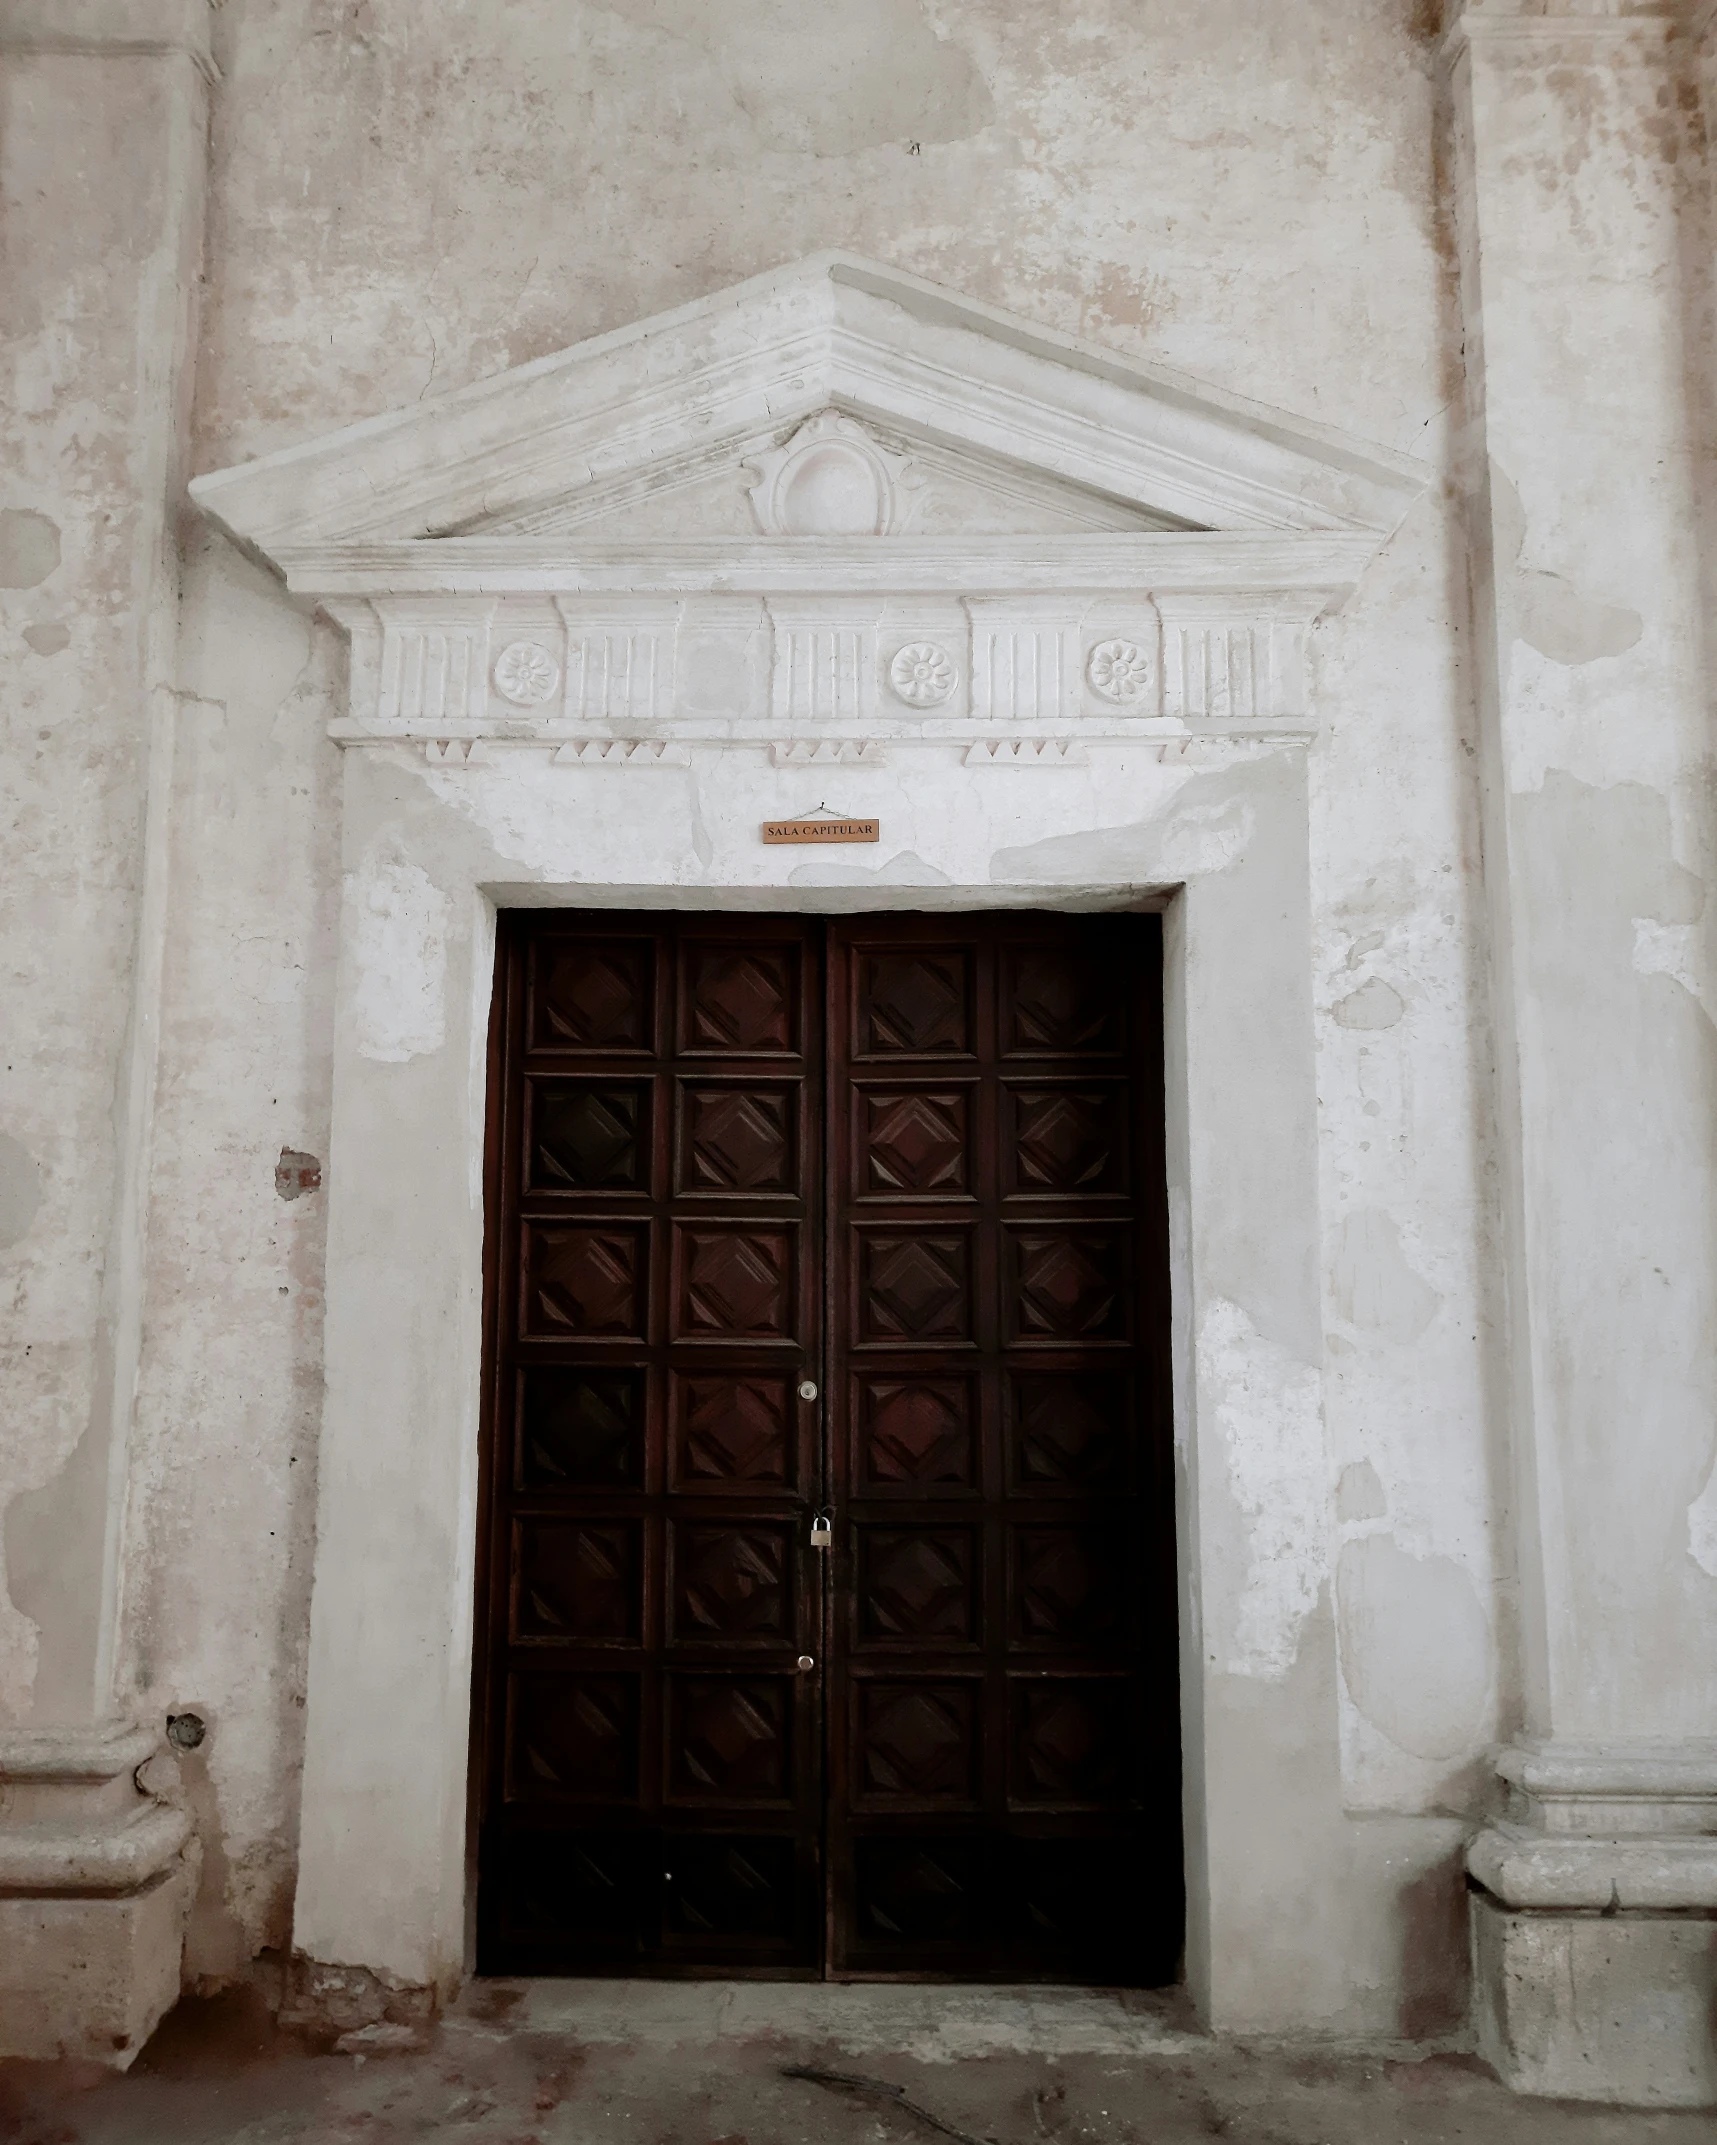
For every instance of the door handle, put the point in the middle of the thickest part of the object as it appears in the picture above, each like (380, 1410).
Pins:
(822, 1530)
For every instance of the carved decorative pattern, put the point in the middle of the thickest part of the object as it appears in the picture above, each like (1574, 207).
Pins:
(738, 1139)
(732, 1581)
(917, 1741)
(829, 752)
(1058, 1003)
(916, 1430)
(526, 674)
(1068, 1139)
(914, 1892)
(594, 995)
(1070, 1740)
(727, 1739)
(1120, 671)
(432, 673)
(621, 752)
(1026, 752)
(1070, 1427)
(585, 1135)
(912, 1002)
(572, 1738)
(735, 1282)
(719, 1887)
(1071, 1285)
(923, 675)
(580, 1428)
(741, 999)
(577, 1580)
(914, 1288)
(616, 674)
(915, 1142)
(917, 1583)
(832, 479)
(587, 1282)
(734, 1430)
(1068, 1585)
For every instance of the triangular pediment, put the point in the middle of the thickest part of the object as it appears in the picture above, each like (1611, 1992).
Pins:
(835, 398)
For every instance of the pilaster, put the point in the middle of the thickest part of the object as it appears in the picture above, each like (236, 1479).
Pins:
(1571, 137)
(103, 145)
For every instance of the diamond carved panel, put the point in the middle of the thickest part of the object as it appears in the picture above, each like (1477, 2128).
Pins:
(733, 1581)
(1069, 1584)
(915, 1003)
(1071, 1740)
(737, 1139)
(917, 1583)
(592, 995)
(1069, 1139)
(584, 1282)
(736, 1283)
(1069, 1285)
(919, 1892)
(577, 1580)
(742, 999)
(584, 1135)
(914, 1287)
(1070, 1428)
(733, 1430)
(580, 1428)
(918, 1741)
(915, 1142)
(1060, 1001)
(719, 1887)
(728, 1738)
(916, 1431)
(572, 1738)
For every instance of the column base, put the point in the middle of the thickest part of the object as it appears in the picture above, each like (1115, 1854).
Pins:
(1594, 1926)
(97, 1875)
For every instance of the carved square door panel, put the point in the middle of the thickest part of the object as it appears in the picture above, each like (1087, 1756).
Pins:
(865, 1220)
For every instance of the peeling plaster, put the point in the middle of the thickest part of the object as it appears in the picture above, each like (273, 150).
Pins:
(1702, 1526)
(49, 639)
(1373, 1286)
(1359, 1495)
(398, 936)
(1182, 842)
(1676, 951)
(1375, 1004)
(20, 1190)
(906, 869)
(1547, 612)
(1268, 1407)
(29, 547)
(1392, 1608)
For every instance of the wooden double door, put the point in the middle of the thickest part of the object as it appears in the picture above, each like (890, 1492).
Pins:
(826, 1602)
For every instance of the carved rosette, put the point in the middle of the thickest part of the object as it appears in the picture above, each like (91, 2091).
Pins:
(526, 674)
(1119, 671)
(923, 675)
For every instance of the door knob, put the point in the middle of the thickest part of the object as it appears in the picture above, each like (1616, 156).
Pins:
(807, 1388)
(806, 1663)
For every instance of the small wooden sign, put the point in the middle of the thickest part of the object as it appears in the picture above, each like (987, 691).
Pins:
(821, 830)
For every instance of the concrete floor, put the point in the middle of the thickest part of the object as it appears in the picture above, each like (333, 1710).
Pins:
(713, 2063)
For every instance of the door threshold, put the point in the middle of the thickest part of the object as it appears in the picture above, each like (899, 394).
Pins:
(933, 2022)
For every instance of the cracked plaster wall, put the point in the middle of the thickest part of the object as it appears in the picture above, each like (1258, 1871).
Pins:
(406, 199)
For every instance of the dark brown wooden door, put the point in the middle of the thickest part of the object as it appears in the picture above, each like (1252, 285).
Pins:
(864, 1218)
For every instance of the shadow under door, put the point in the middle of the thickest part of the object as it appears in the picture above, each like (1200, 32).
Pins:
(826, 1608)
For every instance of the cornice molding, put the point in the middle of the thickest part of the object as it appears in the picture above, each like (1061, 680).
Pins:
(1528, 34)
(112, 29)
(1312, 569)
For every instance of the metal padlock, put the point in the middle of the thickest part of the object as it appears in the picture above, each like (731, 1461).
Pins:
(822, 1530)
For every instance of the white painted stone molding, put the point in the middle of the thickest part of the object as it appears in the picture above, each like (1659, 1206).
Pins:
(1589, 1826)
(833, 479)
(829, 752)
(462, 544)
(1517, 31)
(80, 1822)
(1026, 752)
(146, 28)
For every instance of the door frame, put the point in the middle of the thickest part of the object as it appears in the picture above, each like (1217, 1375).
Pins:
(829, 1063)
(1219, 842)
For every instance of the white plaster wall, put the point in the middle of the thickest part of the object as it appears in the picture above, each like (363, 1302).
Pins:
(406, 199)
